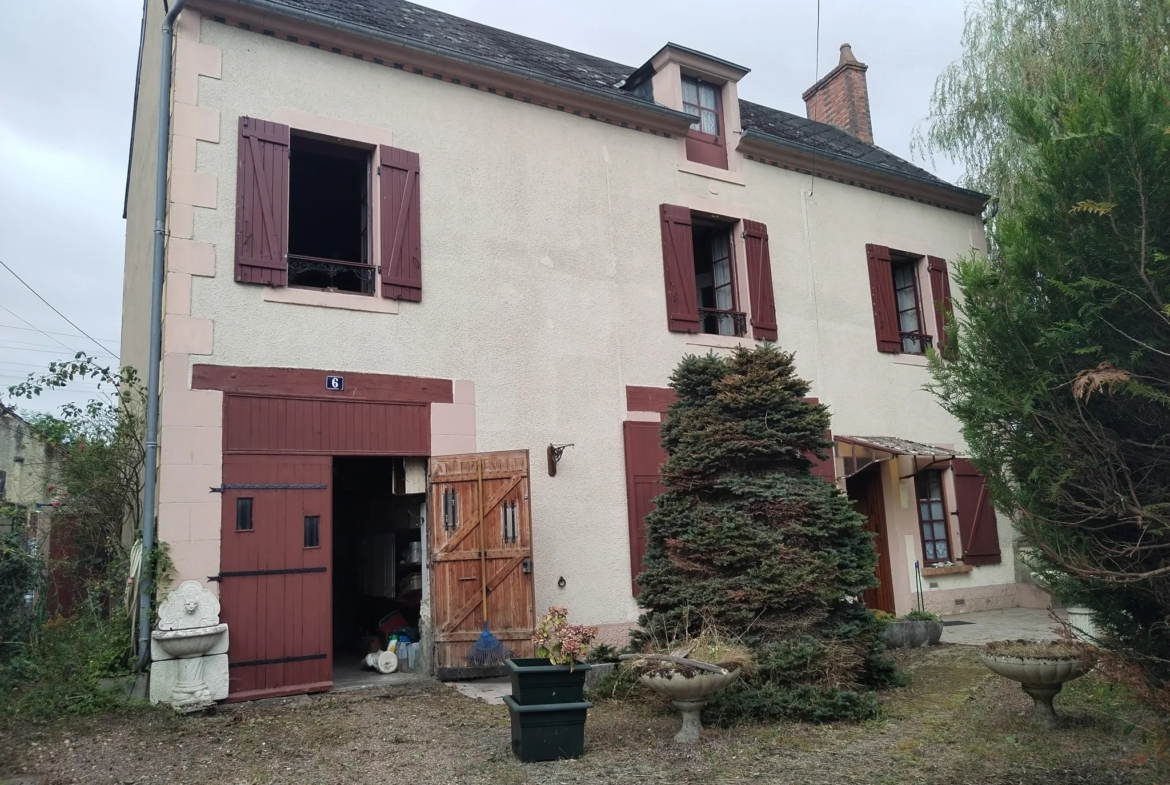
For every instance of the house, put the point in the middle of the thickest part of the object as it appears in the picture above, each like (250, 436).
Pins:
(25, 467)
(421, 273)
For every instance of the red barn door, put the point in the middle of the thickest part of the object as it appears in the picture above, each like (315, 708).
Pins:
(276, 590)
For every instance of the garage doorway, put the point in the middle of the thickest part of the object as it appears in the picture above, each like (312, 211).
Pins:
(379, 512)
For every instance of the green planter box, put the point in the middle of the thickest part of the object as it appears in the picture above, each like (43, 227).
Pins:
(550, 731)
(536, 682)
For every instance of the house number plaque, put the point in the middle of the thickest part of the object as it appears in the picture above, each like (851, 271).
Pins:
(336, 383)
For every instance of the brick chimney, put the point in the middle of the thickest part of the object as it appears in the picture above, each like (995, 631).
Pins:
(841, 98)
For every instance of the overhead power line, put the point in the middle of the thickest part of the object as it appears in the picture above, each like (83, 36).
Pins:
(45, 332)
(63, 316)
(34, 327)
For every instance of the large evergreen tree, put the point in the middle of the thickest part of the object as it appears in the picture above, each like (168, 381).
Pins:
(747, 539)
(1062, 375)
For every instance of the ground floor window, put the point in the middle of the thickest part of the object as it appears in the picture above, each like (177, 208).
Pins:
(936, 544)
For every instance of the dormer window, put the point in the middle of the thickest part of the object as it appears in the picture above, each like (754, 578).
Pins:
(706, 139)
(701, 99)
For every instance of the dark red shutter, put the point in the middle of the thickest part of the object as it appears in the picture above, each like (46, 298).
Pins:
(826, 469)
(881, 289)
(977, 524)
(644, 458)
(759, 269)
(262, 203)
(401, 225)
(678, 261)
(940, 287)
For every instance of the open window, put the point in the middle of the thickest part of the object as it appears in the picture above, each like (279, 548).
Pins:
(702, 274)
(715, 279)
(329, 217)
(304, 212)
(896, 289)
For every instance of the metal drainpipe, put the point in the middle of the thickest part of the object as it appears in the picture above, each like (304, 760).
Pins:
(156, 302)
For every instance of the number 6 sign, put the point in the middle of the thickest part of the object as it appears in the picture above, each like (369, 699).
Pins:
(336, 383)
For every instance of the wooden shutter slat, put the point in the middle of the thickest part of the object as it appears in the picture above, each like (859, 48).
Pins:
(944, 310)
(759, 267)
(881, 289)
(401, 216)
(678, 261)
(262, 202)
(978, 528)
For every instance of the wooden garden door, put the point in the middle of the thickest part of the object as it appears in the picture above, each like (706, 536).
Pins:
(465, 520)
(276, 590)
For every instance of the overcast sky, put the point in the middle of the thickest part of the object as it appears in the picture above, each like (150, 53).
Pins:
(66, 97)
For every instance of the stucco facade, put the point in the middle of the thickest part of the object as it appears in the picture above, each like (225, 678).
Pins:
(543, 270)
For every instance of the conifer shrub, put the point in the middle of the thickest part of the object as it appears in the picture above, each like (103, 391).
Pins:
(746, 539)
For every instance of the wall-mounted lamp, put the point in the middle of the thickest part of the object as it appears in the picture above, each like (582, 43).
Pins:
(554, 456)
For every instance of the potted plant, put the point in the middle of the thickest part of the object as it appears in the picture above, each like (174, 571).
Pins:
(916, 628)
(547, 705)
(1041, 668)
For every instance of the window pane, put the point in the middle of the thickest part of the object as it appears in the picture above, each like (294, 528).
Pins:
(940, 531)
(312, 531)
(707, 96)
(710, 124)
(941, 548)
(244, 515)
(936, 511)
(930, 551)
(690, 92)
(924, 511)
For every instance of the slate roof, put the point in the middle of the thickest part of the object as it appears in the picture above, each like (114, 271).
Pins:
(464, 37)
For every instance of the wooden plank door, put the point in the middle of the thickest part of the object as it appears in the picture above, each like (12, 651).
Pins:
(865, 491)
(276, 590)
(644, 459)
(459, 530)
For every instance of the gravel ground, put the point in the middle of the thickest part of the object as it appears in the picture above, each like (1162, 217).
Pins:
(956, 723)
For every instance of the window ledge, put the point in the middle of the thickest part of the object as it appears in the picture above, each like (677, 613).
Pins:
(910, 359)
(713, 172)
(720, 341)
(348, 302)
(954, 569)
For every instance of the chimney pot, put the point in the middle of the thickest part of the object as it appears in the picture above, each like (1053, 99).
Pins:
(841, 97)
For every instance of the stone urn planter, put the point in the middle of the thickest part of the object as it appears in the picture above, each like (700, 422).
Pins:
(1040, 668)
(688, 684)
(912, 634)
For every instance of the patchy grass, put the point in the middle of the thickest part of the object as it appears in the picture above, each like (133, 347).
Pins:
(956, 722)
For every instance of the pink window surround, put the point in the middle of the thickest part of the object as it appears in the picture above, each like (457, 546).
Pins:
(706, 148)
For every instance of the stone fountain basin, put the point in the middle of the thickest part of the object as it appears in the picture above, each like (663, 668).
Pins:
(1035, 671)
(698, 687)
(193, 642)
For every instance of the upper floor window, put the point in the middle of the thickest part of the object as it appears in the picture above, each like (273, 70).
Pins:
(702, 274)
(706, 141)
(701, 99)
(906, 301)
(329, 217)
(936, 541)
(305, 208)
(715, 280)
(902, 295)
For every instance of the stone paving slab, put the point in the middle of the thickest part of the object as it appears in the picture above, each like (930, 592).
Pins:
(983, 627)
(490, 691)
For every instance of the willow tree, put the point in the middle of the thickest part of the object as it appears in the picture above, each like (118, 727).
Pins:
(1015, 49)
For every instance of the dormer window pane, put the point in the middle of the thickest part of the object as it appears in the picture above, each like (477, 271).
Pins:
(701, 99)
